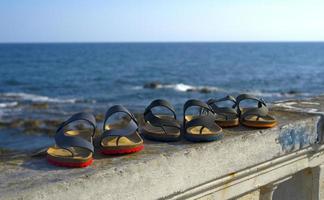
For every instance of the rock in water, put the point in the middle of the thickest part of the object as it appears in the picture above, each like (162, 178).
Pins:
(153, 85)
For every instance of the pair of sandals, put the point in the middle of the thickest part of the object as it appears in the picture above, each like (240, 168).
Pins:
(207, 125)
(74, 146)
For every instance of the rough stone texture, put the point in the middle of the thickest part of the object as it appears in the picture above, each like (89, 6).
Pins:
(165, 169)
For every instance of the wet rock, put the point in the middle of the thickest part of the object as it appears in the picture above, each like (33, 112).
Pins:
(32, 126)
(204, 90)
(3, 151)
(40, 105)
(292, 92)
(11, 124)
(32, 123)
(53, 123)
(153, 85)
(100, 117)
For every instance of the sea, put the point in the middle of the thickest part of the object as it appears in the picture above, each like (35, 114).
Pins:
(55, 80)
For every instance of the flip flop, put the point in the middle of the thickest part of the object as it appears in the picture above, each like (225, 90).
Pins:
(225, 116)
(160, 127)
(200, 128)
(257, 117)
(74, 148)
(120, 137)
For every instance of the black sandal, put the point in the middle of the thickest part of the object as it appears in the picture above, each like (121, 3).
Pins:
(202, 127)
(225, 116)
(257, 117)
(120, 137)
(160, 127)
(73, 148)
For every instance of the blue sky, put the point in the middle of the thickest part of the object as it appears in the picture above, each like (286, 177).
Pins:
(158, 20)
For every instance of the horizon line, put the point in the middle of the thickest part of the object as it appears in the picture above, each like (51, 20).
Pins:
(121, 42)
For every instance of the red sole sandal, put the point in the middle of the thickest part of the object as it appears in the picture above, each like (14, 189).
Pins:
(120, 137)
(74, 148)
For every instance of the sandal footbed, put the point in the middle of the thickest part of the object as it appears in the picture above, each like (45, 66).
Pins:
(261, 122)
(125, 142)
(80, 155)
(196, 129)
(157, 132)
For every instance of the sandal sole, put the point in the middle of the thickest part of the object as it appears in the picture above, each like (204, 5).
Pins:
(203, 138)
(122, 151)
(259, 125)
(161, 139)
(70, 164)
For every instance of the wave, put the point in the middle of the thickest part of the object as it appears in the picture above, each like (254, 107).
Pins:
(288, 94)
(35, 98)
(180, 87)
(8, 104)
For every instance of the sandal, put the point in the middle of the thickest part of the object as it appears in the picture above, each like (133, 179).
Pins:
(225, 116)
(122, 136)
(161, 127)
(255, 117)
(74, 148)
(200, 128)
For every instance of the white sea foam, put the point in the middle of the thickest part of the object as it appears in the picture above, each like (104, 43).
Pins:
(277, 94)
(35, 98)
(8, 104)
(181, 87)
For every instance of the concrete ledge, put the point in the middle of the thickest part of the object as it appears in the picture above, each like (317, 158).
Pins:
(249, 157)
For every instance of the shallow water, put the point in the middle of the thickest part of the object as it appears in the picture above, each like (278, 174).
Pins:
(44, 81)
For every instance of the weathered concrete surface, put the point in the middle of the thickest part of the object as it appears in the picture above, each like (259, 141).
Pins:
(164, 170)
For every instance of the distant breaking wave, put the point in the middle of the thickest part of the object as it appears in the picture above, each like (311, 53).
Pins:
(35, 98)
(288, 94)
(8, 104)
(180, 87)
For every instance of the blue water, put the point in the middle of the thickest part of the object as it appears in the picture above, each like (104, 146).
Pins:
(115, 73)
(94, 76)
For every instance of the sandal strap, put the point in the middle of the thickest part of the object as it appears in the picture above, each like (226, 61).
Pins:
(66, 141)
(127, 130)
(242, 97)
(80, 116)
(116, 109)
(260, 112)
(223, 110)
(149, 116)
(206, 121)
(194, 102)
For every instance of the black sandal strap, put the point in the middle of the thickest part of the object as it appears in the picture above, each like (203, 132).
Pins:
(80, 116)
(262, 106)
(128, 130)
(224, 111)
(206, 121)
(194, 102)
(150, 117)
(159, 103)
(66, 141)
(259, 112)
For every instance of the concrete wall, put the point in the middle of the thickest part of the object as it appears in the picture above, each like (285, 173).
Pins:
(284, 162)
